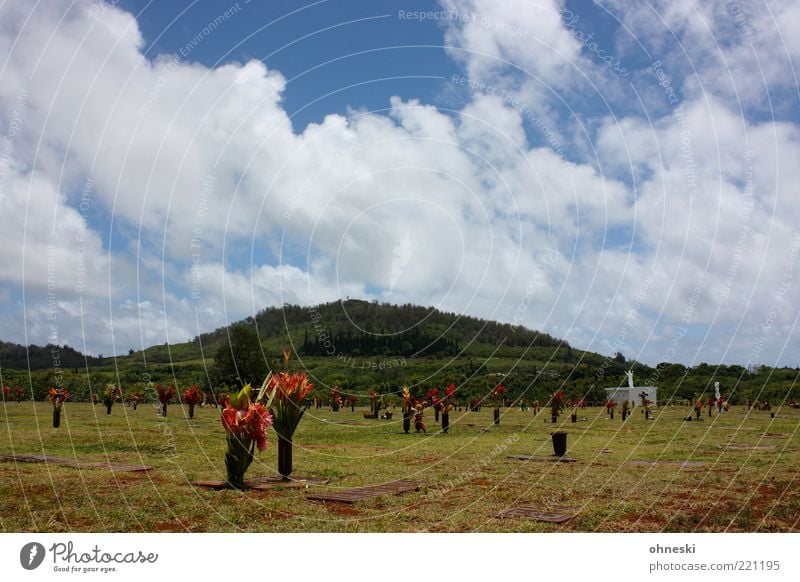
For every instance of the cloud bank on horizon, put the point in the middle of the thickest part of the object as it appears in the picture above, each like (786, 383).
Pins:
(628, 189)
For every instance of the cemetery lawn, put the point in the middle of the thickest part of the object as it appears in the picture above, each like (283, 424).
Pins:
(466, 478)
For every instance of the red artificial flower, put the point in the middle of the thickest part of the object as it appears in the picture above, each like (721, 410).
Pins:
(450, 390)
(57, 396)
(292, 387)
(6, 391)
(251, 423)
(498, 392)
(165, 394)
(192, 396)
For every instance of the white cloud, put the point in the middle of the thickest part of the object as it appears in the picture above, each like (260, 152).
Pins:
(461, 211)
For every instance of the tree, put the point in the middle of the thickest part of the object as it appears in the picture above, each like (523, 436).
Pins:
(240, 360)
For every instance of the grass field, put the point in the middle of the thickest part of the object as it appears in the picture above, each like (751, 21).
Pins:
(466, 476)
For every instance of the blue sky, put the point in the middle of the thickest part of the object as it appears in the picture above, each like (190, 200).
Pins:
(616, 174)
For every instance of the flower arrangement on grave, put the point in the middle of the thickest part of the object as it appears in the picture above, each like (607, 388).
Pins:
(407, 398)
(246, 426)
(336, 399)
(610, 406)
(386, 402)
(408, 405)
(6, 392)
(432, 396)
(19, 392)
(57, 396)
(351, 402)
(646, 404)
(419, 413)
(497, 396)
(374, 403)
(136, 399)
(222, 399)
(285, 394)
(626, 405)
(109, 396)
(557, 403)
(193, 396)
(698, 407)
(447, 406)
(164, 397)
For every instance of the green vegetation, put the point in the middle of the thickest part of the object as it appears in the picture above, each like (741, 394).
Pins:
(361, 346)
(466, 476)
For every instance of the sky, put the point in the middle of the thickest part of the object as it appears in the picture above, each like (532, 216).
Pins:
(619, 174)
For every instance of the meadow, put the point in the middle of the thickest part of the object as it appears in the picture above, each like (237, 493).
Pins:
(466, 477)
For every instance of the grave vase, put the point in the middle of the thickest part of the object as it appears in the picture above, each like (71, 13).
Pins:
(497, 416)
(559, 443)
(445, 421)
(284, 457)
(56, 418)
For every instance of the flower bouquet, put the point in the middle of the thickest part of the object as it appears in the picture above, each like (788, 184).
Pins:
(57, 397)
(193, 396)
(497, 395)
(407, 408)
(610, 406)
(626, 406)
(246, 426)
(6, 392)
(285, 395)
(336, 400)
(433, 397)
(447, 406)
(19, 392)
(109, 396)
(164, 397)
(557, 401)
